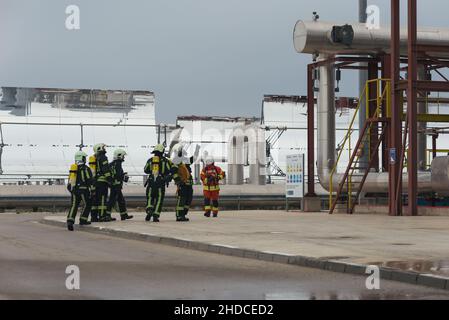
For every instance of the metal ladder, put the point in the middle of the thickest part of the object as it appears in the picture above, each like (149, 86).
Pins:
(356, 173)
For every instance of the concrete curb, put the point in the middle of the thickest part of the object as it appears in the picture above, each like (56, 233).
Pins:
(415, 278)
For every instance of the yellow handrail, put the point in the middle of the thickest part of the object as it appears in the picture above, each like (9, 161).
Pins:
(342, 148)
(385, 95)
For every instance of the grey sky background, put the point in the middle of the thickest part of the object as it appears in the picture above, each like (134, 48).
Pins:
(202, 57)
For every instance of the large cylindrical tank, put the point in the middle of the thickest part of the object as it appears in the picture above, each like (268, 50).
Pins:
(316, 37)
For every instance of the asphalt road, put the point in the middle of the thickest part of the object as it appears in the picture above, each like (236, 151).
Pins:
(34, 257)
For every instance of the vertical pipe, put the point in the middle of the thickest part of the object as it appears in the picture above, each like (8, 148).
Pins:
(434, 145)
(82, 137)
(395, 177)
(310, 133)
(363, 77)
(422, 137)
(326, 120)
(412, 111)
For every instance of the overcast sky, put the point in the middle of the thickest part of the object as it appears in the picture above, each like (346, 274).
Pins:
(200, 57)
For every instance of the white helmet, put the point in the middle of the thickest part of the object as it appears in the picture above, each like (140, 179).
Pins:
(80, 157)
(209, 161)
(159, 148)
(99, 147)
(119, 154)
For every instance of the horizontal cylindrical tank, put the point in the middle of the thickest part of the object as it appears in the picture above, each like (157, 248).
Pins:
(318, 37)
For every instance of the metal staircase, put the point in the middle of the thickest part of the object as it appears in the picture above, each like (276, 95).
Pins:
(351, 182)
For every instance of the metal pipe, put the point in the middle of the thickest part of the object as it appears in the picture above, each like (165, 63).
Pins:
(315, 37)
(325, 120)
(422, 126)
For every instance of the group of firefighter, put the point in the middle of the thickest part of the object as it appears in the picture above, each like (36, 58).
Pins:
(98, 184)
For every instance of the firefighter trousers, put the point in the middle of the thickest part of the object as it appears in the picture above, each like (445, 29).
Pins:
(211, 201)
(100, 199)
(184, 200)
(79, 196)
(155, 199)
(116, 199)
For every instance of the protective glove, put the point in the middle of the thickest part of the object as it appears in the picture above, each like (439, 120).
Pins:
(211, 179)
(126, 177)
(69, 188)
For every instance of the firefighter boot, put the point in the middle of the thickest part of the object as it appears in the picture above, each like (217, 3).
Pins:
(182, 219)
(149, 214)
(70, 225)
(126, 217)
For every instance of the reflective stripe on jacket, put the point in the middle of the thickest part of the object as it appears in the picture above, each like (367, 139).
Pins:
(103, 171)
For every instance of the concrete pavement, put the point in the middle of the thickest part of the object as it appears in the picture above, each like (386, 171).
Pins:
(419, 244)
(33, 259)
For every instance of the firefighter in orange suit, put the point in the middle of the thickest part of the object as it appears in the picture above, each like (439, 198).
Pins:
(210, 177)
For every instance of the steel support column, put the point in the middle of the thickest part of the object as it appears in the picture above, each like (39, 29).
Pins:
(412, 106)
(395, 202)
(310, 133)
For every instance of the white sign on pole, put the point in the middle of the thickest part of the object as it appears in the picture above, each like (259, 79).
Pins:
(295, 176)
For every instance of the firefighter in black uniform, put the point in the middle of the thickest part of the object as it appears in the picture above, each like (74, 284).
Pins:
(80, 184)
(116, 197)
(103, 180)
(184, 183)
(161, 171)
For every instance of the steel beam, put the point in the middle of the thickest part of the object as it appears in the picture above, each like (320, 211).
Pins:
(395, 202)
(426, 118)
(431, 48)
(310, 133)
(425, 85)
(412, 110)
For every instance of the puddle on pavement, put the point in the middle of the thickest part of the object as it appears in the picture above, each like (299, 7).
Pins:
(440, 267)
(335, 296)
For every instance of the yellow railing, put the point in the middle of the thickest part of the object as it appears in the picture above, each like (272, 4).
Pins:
(384, 96)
